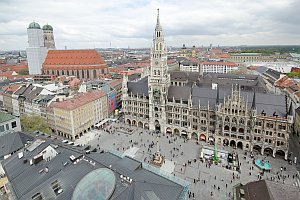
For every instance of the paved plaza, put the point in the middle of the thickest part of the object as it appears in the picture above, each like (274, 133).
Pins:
(182, 160)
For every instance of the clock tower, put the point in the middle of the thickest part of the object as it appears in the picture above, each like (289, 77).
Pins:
(158, 80)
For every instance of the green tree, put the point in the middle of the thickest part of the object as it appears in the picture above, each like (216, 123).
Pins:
(23, 72)
(34, 123)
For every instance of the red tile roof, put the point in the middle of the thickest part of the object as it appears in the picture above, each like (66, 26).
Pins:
(74, 59)
(79, 100)
(13, 67)
(295, 69)
(11, 88)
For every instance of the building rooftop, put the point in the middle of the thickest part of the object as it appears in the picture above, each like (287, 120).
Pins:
(59, 59)
(5, 117)
(200, 88)
(11, 142)
(78, 100)
(72, 174)
(267, 190)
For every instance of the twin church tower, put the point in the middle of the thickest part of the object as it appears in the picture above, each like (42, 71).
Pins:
(39, 41)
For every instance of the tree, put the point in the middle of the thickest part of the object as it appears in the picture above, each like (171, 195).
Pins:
(23, 72)
(34, 123)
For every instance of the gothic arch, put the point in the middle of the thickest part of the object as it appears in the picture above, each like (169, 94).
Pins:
(176, 131)
(146, 126)
(233, 129)
(225, 142)
(280, 153)
(226, 128)
(232, 143)
(227, 119)
(140, 124)
(169, 130)
(134, 123)
(239, 145)
(128, 121)
(202, 137)
(194, 136)
(234, 120)
(257, 148)
(242, 121)
(268, 151)
(241, 130)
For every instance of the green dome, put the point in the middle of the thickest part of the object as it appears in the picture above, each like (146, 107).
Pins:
(47, 27)
(34, 25)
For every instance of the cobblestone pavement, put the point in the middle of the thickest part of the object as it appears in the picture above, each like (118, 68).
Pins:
(199, 172)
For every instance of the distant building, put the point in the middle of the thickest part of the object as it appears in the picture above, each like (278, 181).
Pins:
(73, 117)
(39, 41)
(190, 66)
(84, 64)
(219, 67)
(9, 122)
(183, 52)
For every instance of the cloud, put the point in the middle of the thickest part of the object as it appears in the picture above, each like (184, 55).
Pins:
(99, 23)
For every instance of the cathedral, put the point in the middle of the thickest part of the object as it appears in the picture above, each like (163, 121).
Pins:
(226, 109)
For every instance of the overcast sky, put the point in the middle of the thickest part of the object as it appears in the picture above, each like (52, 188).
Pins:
(123, 23)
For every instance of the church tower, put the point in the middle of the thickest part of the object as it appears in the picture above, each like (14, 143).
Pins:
(158, 80)
(48, 37)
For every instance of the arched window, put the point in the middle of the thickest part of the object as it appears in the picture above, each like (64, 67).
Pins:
(158, 72)
(227, 119)
(234, 120)
(154, 72)
(242, 121)
(160, 46)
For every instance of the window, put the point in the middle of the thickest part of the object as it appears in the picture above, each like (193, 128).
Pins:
(37, 196)
(2, 128)
(7, 127)
(56, 187)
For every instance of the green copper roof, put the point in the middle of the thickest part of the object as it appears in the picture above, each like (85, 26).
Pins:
(5, 117)
(34, 25)
(47, 27)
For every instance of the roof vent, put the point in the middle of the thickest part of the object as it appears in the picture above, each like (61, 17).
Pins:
(20, 155)
(60, 191)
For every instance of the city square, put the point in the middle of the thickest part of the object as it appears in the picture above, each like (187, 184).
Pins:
(182, 159)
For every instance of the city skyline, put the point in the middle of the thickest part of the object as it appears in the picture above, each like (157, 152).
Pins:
(100, 24)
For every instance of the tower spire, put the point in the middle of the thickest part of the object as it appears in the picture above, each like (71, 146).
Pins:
(158, 21)
(253, 101)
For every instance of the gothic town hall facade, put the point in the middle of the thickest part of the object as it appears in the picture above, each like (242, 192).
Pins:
(219, 108)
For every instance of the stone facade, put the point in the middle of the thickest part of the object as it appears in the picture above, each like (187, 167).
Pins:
(241, 119)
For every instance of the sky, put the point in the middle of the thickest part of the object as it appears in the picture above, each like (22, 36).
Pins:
(80, 24)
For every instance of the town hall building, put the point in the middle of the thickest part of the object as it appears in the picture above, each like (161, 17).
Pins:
(225, 109)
